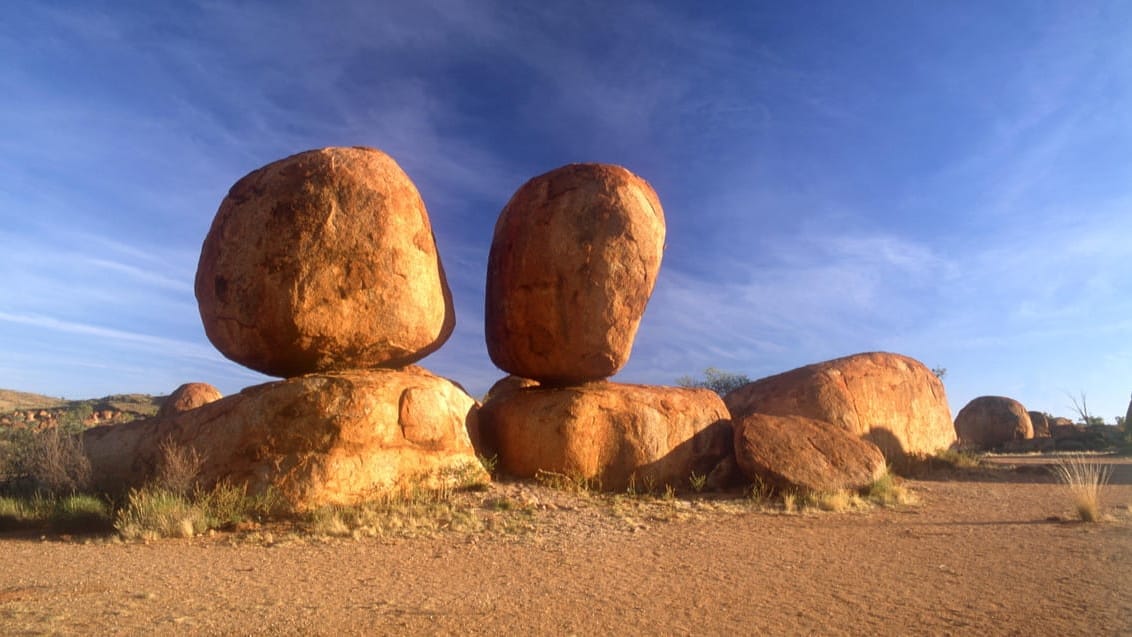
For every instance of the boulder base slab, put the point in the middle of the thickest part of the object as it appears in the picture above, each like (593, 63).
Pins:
(613, 435)
(338, 438)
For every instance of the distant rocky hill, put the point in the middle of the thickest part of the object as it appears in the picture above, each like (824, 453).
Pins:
(22, 409)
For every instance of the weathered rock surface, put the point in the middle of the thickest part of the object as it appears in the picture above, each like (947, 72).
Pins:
(323, 261)
(793, 452)
(507, 385)
(612, 434)
(188, 396)
(336, 438)
(988, 422)
(1040, 423)
(573, 262)
(893, 401)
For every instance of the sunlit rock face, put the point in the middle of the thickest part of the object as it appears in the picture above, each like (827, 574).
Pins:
(323, 261)
(335, 438)
(573, 262)
(615, 436)
(891, 400)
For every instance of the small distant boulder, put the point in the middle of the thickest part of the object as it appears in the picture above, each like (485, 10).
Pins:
(614, 435)
(797, 453)
(188, 396)
(989, 422)
(323, 261)
(1041, 424)
(893, 401)
(573, 261)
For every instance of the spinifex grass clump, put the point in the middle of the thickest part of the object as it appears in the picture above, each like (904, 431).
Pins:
(1085, 478)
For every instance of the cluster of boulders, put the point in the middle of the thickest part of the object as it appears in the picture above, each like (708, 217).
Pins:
(999, 423)
(321, 268)
(573, 261)
(834, 425)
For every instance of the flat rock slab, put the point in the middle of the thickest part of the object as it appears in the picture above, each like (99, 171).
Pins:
(337, 438)
(613, 435)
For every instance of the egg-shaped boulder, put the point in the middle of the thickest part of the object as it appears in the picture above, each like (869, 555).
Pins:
(323, 261)
(188, 396)
(572, 265)
(988, 422)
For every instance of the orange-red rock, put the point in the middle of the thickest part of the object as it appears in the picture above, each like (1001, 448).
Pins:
(336, 438)
(1041, 424)
(323, 261)
(988, 422)
(572, 264)
(188, 396)
(613, 435)
(792, 452)
(893, 401)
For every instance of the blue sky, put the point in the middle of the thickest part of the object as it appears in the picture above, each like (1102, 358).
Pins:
(951, 181)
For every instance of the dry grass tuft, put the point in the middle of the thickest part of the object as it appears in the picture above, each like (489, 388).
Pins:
(888, 491)
(1086, 478)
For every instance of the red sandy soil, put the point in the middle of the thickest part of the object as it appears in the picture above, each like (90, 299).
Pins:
(984, 553)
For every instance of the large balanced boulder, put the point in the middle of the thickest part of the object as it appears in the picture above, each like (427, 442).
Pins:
(188, 396)
(893, 401)
(989, 422)
(614, 436)
(573, 262)
(323, 261)
(336, 438)
(797, 453)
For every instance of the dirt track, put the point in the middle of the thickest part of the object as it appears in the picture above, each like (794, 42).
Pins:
(987, 555)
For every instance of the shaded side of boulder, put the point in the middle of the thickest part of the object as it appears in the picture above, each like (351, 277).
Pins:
(989, 422)
(338, 438)
(1040, 423)
(797, 453)
(893, 401)
(612, 435)
(188, 396)
(323, 261)
(573, 261)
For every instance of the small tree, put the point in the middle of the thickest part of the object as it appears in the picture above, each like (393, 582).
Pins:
(939, 372)
(1081, 408)
(717, 380)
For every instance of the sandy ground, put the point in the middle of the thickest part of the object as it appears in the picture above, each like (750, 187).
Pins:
(989, 553)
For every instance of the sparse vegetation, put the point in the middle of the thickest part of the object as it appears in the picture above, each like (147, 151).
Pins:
(888, 491)
(717, 380)
(1085, 479)
(697, 481)
(573, 483)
